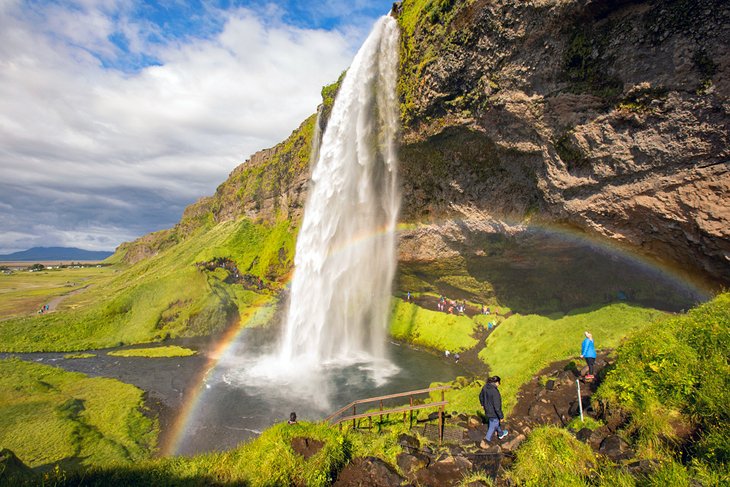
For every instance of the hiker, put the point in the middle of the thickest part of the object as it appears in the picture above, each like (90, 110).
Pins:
(447, 353)
(588, 352)
(456, 358)
(292, 418)
(491, 401)
(409, 296)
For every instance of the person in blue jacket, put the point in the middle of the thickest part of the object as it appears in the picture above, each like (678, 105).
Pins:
(588, 352)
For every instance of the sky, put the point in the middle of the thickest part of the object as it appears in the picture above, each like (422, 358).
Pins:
(117, 114)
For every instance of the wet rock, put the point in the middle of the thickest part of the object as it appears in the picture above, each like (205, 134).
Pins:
(642, 467)
(366, 472)
(445, 473)
(584, 434)
(409, 442)
(487, 461)
(550, 385)
(615, 448)
(411, 462)
(306, 447)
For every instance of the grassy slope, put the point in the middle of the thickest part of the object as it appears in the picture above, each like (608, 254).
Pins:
(165, 295)
(48, 415)
(523, 345)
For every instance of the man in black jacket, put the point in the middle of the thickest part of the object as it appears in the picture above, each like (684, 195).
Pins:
(491, 401)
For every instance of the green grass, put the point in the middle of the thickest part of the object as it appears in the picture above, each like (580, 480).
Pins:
(154, 352)
(165, 295)
(552, 456)
(675, 375)
(268, 460)
(79, 355)
(23, 293)
(523, 345)
(48, 416)
(432, 329)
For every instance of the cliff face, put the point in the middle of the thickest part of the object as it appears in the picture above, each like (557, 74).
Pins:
(609, 117)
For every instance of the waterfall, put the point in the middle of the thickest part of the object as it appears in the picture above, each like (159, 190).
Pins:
(345, 253)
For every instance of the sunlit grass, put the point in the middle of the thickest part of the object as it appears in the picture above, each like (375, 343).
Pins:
(48, 415)
(153, 352)
(433, 329)
(523, 345)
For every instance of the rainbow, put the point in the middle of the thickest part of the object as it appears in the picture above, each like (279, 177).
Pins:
(171, 440)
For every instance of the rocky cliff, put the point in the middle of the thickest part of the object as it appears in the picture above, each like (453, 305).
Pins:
(607, 118)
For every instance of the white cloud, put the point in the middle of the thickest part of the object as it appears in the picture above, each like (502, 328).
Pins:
(87, 150)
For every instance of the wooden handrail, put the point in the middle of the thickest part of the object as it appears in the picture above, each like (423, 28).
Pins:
(380, 398)
(403, 409)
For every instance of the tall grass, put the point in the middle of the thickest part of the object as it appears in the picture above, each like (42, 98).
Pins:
(552, 456)
(674, 375)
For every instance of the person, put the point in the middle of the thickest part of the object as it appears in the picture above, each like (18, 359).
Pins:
(491, 401)
(588, 352)
(456, 358)
(447, 353)
(292, 418)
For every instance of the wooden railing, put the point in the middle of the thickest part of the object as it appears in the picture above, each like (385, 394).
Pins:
(336, 418)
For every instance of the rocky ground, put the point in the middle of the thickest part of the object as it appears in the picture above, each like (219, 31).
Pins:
(551, 398)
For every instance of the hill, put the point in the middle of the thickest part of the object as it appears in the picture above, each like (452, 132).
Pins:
(55, 253)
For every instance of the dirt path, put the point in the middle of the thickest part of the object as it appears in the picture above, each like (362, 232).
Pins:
(53, 303)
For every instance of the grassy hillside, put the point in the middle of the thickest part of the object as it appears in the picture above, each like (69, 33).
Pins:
(167, 295)
(523, 345)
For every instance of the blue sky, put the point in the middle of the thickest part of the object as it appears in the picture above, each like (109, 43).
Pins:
(116, 114)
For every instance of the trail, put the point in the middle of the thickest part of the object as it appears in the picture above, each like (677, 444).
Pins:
(53, 303)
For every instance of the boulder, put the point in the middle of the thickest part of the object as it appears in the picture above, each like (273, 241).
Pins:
(615, 448)
(410, 463)
(448, 472)
(409, 442)
(367, 472)
(306, 447)
(474, 421)
(514, 442)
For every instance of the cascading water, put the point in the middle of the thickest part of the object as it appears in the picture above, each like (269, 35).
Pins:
(345, 254)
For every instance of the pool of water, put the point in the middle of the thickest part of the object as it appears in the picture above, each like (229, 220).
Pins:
(207, 403)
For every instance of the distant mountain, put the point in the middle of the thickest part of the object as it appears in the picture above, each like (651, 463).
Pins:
(56, 253)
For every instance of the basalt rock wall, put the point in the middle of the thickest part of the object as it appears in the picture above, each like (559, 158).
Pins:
(607, 117)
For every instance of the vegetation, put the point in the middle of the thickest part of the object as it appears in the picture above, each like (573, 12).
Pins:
(432, 329)
(674, 377)
(156, 352)
(165, 295)
(552, 456)
(49, 416)
(23, 293)
(523, 345)
(79, 355)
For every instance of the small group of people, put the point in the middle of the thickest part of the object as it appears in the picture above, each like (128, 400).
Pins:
(43, 309)
(450, 306)
(456, 356)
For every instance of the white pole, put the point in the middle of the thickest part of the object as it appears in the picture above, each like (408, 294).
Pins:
(580, 401)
